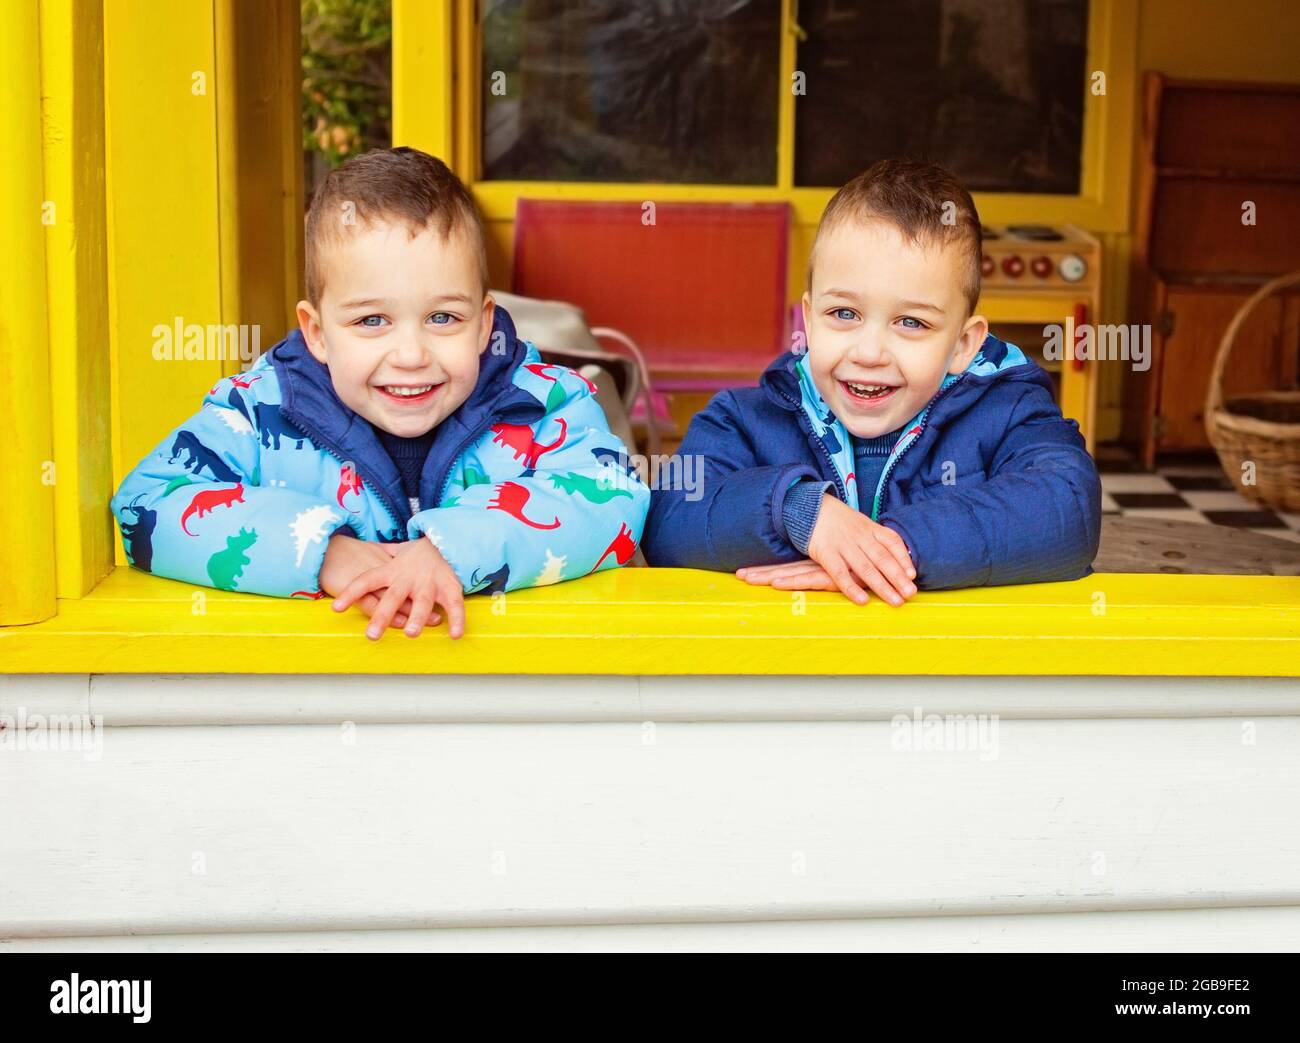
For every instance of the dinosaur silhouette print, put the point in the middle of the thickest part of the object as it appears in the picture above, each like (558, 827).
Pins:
(828, 436)
(209, 499)
(518, 438)
(268, 419)
(493, 582)
(226, 566)
(176, 483)
(349, 482)
(591, 489)
(137, 536)
(615, 458)
(198, 457)
(245, 382)
(622, 547)
(311, 526)
(314, 595)
(511, 498)
(557, 396)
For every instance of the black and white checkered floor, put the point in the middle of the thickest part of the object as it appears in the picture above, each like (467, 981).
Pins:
(1185, 488)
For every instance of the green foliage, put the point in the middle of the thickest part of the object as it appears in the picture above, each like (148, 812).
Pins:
(347, 76)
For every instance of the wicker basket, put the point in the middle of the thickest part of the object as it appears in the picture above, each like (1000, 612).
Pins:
(1261, 427)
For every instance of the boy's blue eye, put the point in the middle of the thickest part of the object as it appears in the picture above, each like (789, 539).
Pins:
(442, 318)
(845, 314)
(915, 324)
(365, 321)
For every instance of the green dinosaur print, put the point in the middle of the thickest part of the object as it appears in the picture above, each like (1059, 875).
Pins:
(473, 476)
(450, 501)
(556, 398)
(588, 488)
(227, 565)
(176, 483)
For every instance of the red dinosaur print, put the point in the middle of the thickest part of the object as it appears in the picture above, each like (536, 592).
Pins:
(511, 497)
(349, 482)
(623, 547)
(538, 369)
(315, 595)
(239, 382)
(519, 439)
(204, 502)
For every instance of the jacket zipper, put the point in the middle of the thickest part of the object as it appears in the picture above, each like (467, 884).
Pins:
(883, 486)
(839, 485)
(325, 444)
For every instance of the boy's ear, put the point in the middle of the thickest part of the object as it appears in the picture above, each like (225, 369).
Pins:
(309, 324)
(969, 343)
(489, 312)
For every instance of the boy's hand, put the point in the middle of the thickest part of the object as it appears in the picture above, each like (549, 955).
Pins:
(855, 552)
(790, 575)
(346, 558)
(418, 574)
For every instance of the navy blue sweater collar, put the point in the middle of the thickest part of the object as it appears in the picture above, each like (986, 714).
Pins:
(309, 402)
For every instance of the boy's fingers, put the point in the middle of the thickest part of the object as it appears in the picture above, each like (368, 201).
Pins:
(898, 547)
(815, 580)
(369, 602)
(783, 575)
(766, 570)
(371, 579)
(844, 581)
(867, 572)
(890, 568)
(452, 599)
(392, 600)
(421, 611)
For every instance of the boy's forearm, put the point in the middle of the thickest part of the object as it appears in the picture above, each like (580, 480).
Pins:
(737, 522)
(1035, 525)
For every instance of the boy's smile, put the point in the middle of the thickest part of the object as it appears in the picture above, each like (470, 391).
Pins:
(401, 323)
(886, 320)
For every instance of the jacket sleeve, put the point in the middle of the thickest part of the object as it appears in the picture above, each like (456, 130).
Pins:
(193, 510)
(1036, 519)
(734, 517)
(582, 508)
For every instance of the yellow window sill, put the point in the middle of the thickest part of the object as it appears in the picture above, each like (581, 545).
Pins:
(681, 621)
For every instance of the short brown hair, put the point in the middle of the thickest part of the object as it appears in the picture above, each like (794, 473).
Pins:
(923, 201)
(394, 183)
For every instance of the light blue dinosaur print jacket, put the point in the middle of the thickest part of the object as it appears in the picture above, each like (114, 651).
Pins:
(524, 485)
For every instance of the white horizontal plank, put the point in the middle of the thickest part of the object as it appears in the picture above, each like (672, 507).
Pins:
(135, 699)
(462, 825)
(1177, 930)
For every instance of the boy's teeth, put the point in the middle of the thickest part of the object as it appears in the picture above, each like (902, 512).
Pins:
(409, 391)
(868, 389)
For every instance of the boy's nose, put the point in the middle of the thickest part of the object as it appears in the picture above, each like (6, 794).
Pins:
(867, 352)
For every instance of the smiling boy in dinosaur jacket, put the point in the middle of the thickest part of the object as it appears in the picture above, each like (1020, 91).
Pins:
(402, 447)
(907, 448)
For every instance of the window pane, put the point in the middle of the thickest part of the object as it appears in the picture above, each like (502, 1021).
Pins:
(606, 90)
(991, 89)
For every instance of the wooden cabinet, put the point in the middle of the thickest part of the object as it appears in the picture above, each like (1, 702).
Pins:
(1218, 213)
(1192, 320)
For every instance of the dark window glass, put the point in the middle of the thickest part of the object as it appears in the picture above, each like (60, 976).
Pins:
(611, 90)
(991, 89)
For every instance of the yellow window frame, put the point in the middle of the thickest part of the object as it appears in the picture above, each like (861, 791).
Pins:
(436, 107)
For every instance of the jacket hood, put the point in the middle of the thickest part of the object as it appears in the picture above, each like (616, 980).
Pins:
(995, 362)
(309, 401)
(788, 382)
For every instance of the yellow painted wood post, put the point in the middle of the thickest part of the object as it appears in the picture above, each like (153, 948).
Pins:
(72, 84)
(27, 573)
(164, 214)
(422, 79)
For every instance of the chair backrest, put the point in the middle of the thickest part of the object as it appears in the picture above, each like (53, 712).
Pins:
(701, 287)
